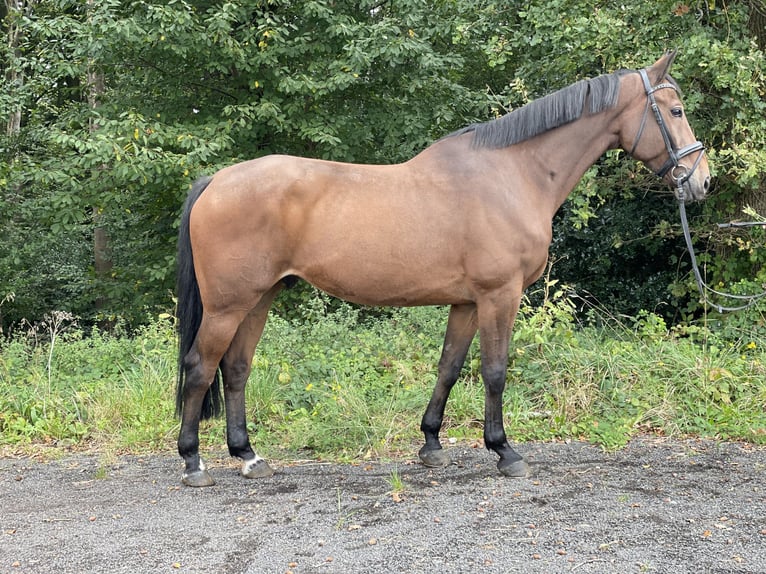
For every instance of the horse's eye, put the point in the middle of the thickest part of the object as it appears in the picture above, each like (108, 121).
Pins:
(677, 112)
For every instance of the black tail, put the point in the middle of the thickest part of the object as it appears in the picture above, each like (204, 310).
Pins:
(189, 308)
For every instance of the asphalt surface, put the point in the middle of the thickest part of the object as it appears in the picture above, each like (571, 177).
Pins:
(657, 505)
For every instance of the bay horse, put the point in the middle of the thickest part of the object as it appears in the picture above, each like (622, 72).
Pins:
(466, 223)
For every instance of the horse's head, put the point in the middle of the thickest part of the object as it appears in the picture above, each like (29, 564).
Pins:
(663, 139)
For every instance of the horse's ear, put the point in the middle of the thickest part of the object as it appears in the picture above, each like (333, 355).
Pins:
(661, 67)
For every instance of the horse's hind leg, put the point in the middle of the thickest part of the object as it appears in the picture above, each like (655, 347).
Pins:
(201, 364)
(235, 368)
(461, 328)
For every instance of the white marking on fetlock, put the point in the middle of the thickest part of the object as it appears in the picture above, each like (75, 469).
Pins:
(199, 477)
(249, 468)
(248, 465)
(202, 468)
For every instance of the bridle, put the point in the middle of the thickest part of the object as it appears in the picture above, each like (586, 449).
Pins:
(680, 174)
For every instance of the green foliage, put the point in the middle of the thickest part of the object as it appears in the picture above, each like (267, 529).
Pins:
(187, 88)
(626, 257)
(123, 104)
(346, 386)
(616, 238)
(334, 386)
(60, 385)
(610, 382)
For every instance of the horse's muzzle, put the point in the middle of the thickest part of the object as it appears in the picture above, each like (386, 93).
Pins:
(694, 188)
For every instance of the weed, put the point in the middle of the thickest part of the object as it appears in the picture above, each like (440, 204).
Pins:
(344, 516)
(102, 472)
(396, 482)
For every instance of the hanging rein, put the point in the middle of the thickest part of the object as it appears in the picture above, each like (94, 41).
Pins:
(680, 175)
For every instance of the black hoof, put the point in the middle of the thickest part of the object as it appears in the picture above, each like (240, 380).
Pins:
(515, 469)
(256, 468)
(434, 458)
(198, 478)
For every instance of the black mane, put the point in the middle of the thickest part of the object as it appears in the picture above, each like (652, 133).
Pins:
(547, 113)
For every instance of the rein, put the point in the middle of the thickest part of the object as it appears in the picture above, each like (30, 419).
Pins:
(703, 287)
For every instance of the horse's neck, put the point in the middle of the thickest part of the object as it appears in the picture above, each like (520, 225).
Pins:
(558, 159)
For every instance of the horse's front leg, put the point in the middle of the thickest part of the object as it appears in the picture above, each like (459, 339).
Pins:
(495, 323)
(461, 328)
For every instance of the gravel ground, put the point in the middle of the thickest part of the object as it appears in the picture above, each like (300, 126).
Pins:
(655, 506)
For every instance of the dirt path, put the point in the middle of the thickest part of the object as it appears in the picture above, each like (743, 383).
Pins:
(656, 506)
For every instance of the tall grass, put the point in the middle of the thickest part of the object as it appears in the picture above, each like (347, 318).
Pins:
(342, 386)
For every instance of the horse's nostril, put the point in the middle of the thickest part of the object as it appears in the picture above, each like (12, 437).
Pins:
(706, 185)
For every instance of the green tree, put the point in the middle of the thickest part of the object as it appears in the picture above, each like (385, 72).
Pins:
(117, 106)
(551, 43)
(189, 87)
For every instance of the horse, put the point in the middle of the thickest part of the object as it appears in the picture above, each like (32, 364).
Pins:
(465, 223)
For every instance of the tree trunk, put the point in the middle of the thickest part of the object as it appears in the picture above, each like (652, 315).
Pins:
(757, 22)
(13, 77)
(757, 26)
(102, 261)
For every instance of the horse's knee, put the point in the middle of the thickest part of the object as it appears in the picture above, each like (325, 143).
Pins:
(449, 369)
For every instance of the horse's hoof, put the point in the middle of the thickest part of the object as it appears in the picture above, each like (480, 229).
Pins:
(434, 458)
(256, 468)
(198, 478)
(516, 469)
